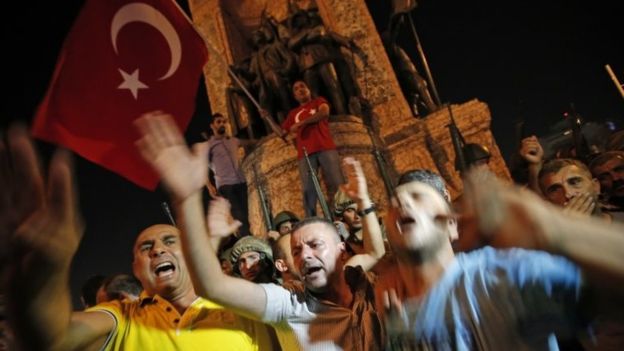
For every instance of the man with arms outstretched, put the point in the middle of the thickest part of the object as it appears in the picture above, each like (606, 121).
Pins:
(42, 224)
(337, 294)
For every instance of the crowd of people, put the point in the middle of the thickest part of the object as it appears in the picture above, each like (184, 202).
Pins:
(510, 267)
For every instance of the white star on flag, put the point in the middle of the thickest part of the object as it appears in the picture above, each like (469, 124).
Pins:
(132, 82)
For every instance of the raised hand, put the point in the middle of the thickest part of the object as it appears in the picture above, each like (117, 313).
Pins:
(37, 221)
(356, 187)
(583, 205)
(220, 220)
(502, 215)
(184, 172)
(531, 150)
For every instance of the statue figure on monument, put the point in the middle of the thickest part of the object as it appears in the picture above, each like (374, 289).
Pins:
(242, 112)
(413, 85)
(273, 66)
(309, 39)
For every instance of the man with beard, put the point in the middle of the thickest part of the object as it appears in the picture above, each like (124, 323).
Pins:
(223, 160)
(43, 228)
(491, 298)
(608, 168)
(334, 312)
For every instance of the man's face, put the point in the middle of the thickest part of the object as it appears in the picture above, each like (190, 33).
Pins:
(419, 221)
(569, 182)
(301, 92)
(219, 125)
(158, 261)
(317, 253)
(611, 176)
(284, 246)
(285, 228)
(250, 265)
(352, 219)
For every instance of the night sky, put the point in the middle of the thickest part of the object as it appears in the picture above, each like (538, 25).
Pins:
(530, 59)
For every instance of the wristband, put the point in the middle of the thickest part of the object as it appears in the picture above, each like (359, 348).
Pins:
(366, 211)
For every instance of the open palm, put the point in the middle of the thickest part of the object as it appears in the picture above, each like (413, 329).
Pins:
(183, 171)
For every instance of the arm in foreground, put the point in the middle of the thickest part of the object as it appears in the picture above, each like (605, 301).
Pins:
(43, 228)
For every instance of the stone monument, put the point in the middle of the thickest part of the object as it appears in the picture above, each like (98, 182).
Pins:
(389, 127)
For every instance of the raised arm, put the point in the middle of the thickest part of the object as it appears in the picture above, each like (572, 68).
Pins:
(184, 174)
(510, 217)
(39, 222)
(532, 152)
(357, 189)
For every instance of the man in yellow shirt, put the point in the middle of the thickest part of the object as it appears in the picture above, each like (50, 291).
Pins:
(45, 229)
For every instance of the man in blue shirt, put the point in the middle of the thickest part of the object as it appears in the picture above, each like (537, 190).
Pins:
(492, 299)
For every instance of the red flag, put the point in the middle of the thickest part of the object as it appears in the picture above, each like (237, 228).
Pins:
(120, 60)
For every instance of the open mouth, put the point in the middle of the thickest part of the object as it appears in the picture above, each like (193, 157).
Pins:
(164, 269)
(406, 220)
(310, 270)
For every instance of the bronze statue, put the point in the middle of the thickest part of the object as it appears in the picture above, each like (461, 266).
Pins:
(412, 84)
(310, 41)
(273, 66)
(243, 114)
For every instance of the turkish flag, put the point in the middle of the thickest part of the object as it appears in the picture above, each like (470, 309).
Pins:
(120, 60)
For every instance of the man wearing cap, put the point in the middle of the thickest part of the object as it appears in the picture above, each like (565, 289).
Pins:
(282, 224)
(346, 211)
(252, 260)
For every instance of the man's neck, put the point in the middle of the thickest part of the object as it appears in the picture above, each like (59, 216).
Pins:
(303, 102)
(420, 278)
(338, 291)
(219, 136)
(182, 301)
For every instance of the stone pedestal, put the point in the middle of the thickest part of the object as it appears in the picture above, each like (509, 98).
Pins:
(275, 163)
(409, 143)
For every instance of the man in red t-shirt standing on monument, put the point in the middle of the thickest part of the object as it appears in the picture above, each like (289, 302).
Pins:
(308, 125)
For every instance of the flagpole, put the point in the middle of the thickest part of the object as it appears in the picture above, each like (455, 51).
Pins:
(270, 121)
(421, 53)
(617, 83)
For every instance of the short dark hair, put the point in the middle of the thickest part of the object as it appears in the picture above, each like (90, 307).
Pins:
(119, 283)
(312, 220)
(425, 176)
(555, 165)
(278, 253)
(89, 289)
(605, 157)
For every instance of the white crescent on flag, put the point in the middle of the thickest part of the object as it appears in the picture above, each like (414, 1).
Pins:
(141, 12)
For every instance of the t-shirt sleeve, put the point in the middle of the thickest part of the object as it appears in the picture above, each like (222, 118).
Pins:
(288, 122)
(278, 304)
(114, 310)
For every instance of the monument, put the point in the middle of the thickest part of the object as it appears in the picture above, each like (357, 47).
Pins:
(386, 127)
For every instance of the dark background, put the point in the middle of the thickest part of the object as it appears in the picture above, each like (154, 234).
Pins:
(529, 59)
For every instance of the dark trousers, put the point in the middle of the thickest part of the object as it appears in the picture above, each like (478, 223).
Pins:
(236, 194)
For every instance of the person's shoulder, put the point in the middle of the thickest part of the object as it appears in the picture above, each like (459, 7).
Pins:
(320, 100)
(519, 265)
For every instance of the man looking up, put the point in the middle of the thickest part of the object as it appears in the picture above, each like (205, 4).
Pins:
(337, 293)
(308, 125)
